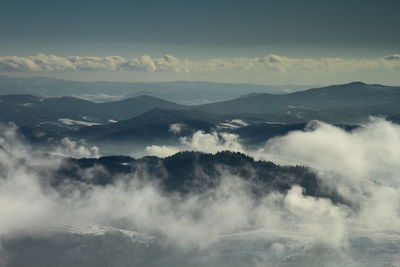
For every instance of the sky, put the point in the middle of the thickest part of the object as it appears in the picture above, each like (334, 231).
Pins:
(253, 41)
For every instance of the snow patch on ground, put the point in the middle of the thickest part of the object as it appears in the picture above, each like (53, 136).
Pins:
(85, 228)
(232, 124)
(27, 104)
(275, 122)
(70, 122)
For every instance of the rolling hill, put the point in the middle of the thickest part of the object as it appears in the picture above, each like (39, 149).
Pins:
(26, 110)
(155, 122)
(337, 103)
(146, 120)
(182, 92)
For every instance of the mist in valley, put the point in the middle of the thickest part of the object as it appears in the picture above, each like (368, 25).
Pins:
(221, 226)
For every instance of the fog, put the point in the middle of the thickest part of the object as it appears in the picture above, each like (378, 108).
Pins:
(361, 165)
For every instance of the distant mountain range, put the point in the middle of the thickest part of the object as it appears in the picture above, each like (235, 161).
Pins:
(182, 92)
(346, 103)
(146, 120)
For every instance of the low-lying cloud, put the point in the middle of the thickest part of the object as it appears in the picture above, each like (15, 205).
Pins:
(361, 165)
(200, 141)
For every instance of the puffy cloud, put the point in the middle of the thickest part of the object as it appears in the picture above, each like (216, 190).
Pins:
(362, 166)
(97, 63)
(212, 142)
(276, 59)
(41, 62)
(162, 151)
(168, 63)
(357, 154)
(199, 141)
(52, 63)
(281, 63)
(141, 63)
(364, 162)
(17, 64)
(278, 63)
(176, 128)
(69, 148)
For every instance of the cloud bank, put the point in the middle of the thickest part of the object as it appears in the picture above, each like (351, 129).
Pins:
(168, 63)
(30, 206)
(361, 165)
(41, 62)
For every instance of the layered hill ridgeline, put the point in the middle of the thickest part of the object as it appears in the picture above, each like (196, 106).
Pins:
(142, 121)
(349, 103)
(182, 92)
(26, 110)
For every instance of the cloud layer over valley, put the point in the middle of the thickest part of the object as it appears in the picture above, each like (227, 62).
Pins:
(362, 166)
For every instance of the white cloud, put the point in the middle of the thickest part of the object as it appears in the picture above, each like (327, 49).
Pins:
(142, 63)
(363, 162)
(168, 63)
(200, 141)
(162, 151)
(18, 64)
(361, 165)
(70, 148)
(41, 62)
(110, 63)
(275, 59)
(212, 142)
(176, 128)
(369, 151)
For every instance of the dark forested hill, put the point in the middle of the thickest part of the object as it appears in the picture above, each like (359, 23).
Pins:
(187, 172)
(162, 119)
